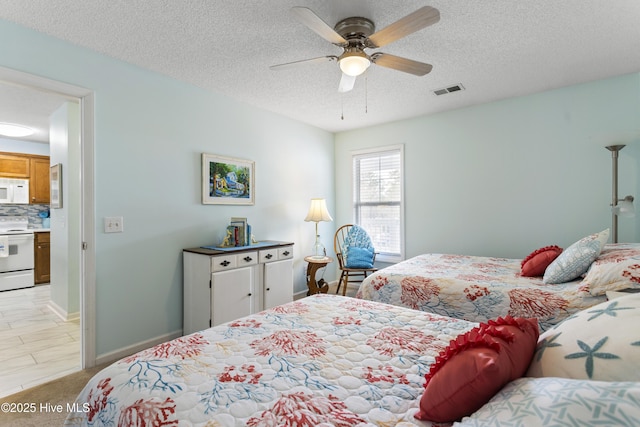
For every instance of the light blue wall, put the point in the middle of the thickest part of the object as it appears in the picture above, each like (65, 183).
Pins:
(150, 131)
(504, 178)
(498, 179)
(21, 146)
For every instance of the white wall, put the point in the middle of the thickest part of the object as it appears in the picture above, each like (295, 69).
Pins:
(65, 221)
(505, 178)
(150, 131)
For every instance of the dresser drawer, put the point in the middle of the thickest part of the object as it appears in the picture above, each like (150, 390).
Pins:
(285, 253)
(268, 255)
(223, 262)
(247, 258)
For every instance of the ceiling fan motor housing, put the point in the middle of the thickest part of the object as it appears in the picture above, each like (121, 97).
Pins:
(355, 28)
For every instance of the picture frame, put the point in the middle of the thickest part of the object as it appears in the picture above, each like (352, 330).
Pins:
(55, 175)
(227, 180)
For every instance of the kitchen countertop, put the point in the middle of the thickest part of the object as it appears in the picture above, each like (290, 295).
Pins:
(40, 230)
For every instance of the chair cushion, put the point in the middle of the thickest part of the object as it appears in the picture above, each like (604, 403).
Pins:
(357, 236)
(359, 257)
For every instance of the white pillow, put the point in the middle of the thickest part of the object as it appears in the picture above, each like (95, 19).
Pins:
(617, 268)
(600, 343)
(574, 261)
(559, 402)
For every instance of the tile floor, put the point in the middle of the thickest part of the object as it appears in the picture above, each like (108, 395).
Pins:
(36, 346)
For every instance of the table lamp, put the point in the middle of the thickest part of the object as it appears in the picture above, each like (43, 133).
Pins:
(318, 212)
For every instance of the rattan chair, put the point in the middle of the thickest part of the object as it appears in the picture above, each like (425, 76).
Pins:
(341, 241)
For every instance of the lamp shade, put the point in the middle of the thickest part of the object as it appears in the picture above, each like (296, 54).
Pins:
(318, 211)
(354, 63)
(625, 207)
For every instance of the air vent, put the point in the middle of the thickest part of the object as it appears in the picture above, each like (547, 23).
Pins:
(445, 90)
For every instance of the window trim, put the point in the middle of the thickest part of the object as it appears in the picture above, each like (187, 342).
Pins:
(385, 258)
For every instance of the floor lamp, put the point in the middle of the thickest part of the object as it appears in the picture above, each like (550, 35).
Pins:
(625, 207)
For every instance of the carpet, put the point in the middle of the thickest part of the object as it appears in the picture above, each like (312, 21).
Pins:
(46, 404)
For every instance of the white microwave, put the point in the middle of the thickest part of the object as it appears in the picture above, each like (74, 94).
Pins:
(14, 191)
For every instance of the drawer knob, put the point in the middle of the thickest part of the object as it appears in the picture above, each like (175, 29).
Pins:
(249, 294)
(225, 263)
(286, 253)
(248, 259)
(268, 289)
(268, 256)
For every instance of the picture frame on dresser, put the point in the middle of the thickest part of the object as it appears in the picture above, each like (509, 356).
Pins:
(227, 180)
(55, 176)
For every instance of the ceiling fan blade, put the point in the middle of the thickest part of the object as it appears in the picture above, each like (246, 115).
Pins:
(401, 64)
(411, 23)
(346, 83)
(304, 62)
(313, 21)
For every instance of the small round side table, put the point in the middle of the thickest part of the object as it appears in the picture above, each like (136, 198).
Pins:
(313, 265)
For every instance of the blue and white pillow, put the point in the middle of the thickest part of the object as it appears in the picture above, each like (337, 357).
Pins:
(358, 249)
(574, 261)
(559, 402)
(359, 257)
(599, 343)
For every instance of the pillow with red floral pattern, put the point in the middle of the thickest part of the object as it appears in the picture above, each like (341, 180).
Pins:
(475, 366)
(537, 261)
(617, 268)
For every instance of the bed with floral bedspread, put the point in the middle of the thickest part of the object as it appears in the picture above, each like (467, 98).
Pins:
(323, 360)
(328, 360)
(474, 288)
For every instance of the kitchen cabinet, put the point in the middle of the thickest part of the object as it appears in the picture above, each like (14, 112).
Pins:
(14, 165)
(224, 285)
(39, 192)
(32, 167)
(42, 257)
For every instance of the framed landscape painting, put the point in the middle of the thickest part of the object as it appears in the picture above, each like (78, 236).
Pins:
(227, 180)
(55, 186)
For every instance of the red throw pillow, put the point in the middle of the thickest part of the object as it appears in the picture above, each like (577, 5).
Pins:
(475, 366)
(537, 261)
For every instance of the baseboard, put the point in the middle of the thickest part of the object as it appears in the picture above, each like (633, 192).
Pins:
(62, 313)
(112, 356)
(332, 290)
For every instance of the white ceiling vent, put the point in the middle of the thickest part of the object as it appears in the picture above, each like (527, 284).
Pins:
(449, 89)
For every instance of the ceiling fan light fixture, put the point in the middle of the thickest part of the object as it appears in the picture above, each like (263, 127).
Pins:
(354, 62)
(16, 131)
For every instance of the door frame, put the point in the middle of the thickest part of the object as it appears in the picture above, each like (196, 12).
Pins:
(86, 99)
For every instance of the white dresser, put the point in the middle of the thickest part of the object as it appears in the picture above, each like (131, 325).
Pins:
(220, 286)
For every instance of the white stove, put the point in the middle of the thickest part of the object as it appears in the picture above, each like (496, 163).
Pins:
(16, 253)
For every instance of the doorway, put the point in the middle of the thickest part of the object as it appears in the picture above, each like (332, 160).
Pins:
(78, 222)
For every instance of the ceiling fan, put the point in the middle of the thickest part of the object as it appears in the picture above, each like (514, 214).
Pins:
(356, 34)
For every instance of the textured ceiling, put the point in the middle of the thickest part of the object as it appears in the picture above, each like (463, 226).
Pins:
(496, 49)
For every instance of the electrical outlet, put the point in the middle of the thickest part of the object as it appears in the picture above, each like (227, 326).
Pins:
(113, 224)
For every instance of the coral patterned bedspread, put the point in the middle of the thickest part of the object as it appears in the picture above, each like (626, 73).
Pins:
(474, 288)
(325, 360)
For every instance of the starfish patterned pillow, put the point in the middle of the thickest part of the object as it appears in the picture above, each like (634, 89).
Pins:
(598, 343)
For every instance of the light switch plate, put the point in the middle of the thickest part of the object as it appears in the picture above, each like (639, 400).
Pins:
(113, 224)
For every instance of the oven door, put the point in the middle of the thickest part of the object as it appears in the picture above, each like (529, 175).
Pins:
(20, 253)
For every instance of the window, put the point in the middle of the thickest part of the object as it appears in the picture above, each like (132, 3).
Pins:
(378, 199)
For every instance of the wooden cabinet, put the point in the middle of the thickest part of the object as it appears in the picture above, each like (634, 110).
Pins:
(14, 165)
(42, 257)
(39, 180)
(32, 167)
(220, 286)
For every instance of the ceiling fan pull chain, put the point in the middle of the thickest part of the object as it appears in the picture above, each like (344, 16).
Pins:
(342, 106)
(366, 93)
